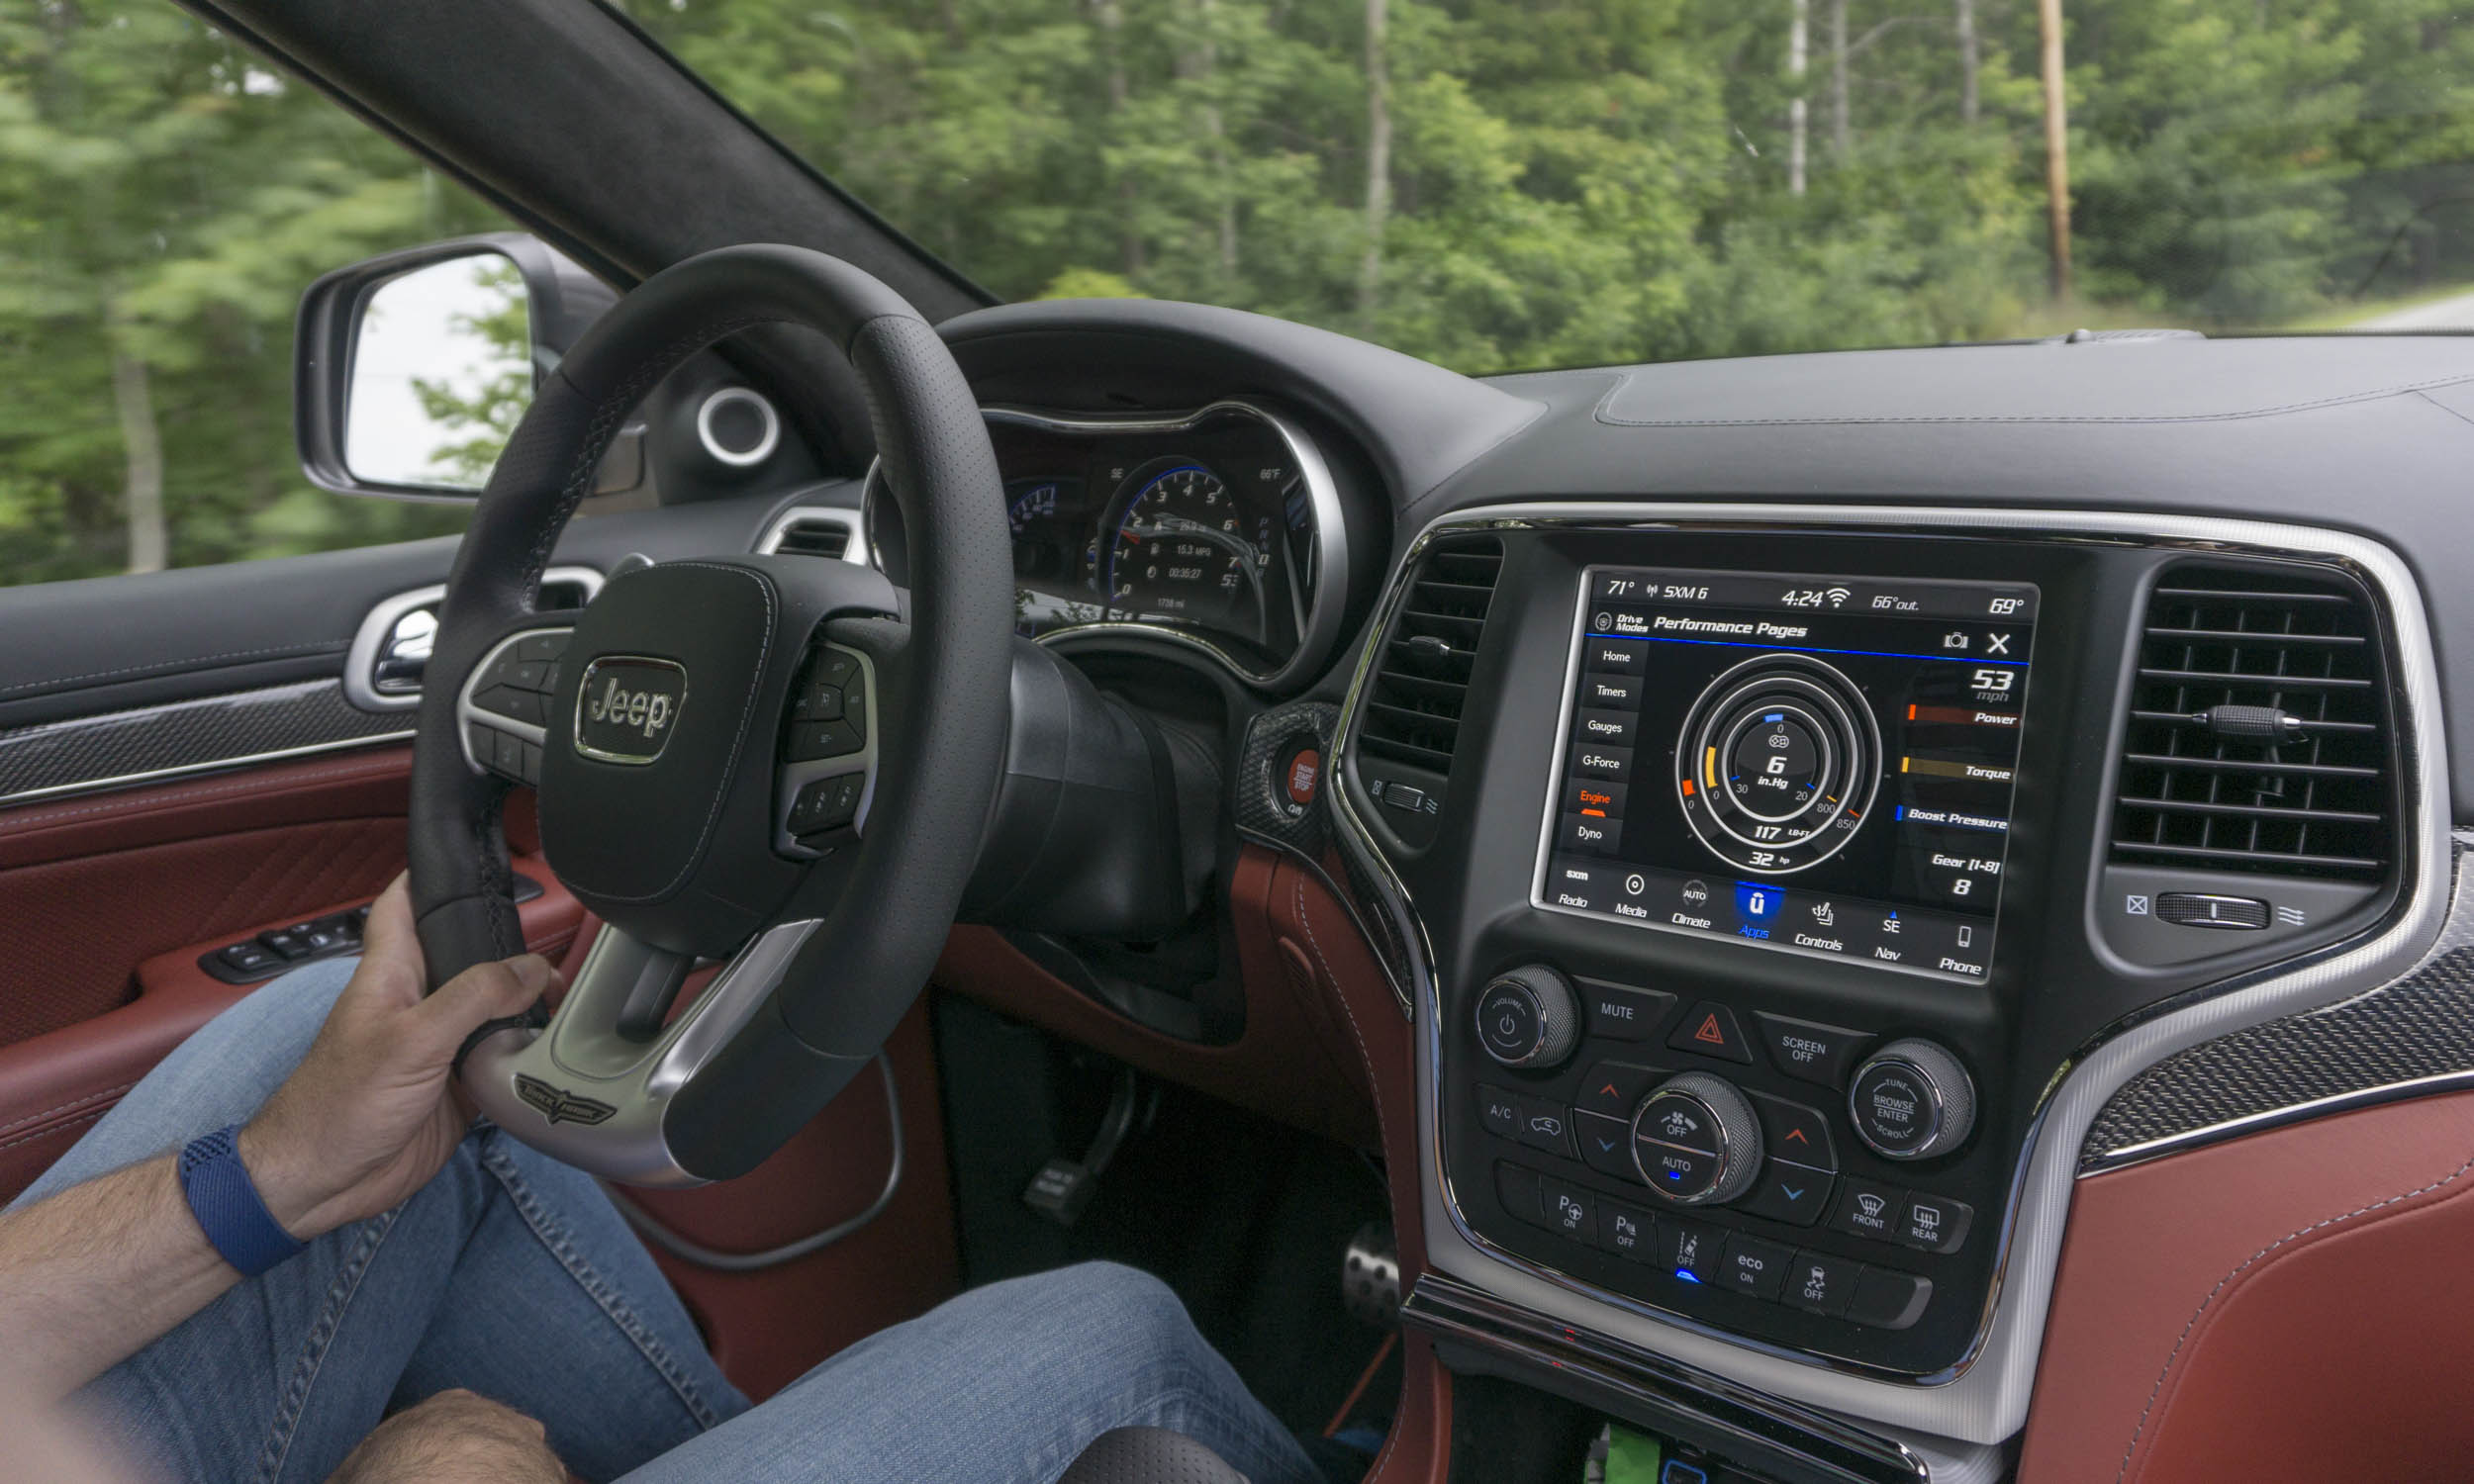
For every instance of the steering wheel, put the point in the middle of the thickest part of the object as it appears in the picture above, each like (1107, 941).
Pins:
(779, 761)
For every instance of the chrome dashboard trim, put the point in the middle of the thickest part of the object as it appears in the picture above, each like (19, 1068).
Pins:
(360, 662)
(1319, 635)
(1982, 1398)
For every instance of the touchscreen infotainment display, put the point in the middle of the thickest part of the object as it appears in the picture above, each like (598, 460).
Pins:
(1823, 765)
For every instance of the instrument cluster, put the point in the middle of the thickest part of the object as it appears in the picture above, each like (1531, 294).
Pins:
(1219, 529)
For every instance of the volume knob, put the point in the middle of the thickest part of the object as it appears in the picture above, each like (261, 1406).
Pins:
(1912, 1101)
(1529, 1017)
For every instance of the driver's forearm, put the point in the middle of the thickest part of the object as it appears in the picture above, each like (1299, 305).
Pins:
(95, 1273)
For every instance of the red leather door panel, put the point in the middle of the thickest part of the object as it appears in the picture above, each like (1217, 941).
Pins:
(91, 888)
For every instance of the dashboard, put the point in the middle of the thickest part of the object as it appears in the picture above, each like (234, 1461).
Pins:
(1803, 804)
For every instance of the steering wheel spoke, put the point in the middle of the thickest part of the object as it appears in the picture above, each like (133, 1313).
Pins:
(594, 1088)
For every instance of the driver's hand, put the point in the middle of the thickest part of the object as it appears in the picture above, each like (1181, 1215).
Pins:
(368, 1116)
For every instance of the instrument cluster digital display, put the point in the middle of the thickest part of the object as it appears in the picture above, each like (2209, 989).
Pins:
(1822, 765)
(1204, 526)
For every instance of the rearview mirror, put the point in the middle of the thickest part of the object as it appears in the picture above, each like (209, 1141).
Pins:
(414, 367)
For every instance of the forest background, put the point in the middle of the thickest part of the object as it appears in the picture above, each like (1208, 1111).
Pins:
(1492, 184)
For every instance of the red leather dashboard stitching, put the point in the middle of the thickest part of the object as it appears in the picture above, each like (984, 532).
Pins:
(2132, 1448)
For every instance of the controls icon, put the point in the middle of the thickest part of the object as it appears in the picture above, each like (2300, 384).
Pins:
(1822, 914)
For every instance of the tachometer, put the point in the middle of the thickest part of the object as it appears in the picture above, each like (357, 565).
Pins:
(1184, 550)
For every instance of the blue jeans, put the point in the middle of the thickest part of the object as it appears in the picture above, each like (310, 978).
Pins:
(512, 1275)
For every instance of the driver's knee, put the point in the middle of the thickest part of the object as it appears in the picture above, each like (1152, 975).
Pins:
(1130, 1322)
(219, 1076)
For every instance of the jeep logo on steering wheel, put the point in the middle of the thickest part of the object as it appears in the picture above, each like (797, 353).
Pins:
(626, 708)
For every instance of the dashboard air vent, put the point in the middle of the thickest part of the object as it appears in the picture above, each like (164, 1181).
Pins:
(817, 539)
(1413, 706)
(811, 531)
(2258, 737)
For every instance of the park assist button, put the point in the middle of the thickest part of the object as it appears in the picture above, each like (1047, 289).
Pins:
(1710, 1030)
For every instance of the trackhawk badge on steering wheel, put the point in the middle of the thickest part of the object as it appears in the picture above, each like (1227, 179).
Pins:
(627, 706)
(557, 1104)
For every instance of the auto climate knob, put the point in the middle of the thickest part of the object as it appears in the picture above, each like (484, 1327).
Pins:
(1529, 1017)
(1696, 1140)
(1912, 1101)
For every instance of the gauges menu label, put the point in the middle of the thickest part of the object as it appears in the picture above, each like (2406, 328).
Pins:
(1819, 763)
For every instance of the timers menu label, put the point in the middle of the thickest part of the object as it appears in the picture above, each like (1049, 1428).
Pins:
(1822, 765)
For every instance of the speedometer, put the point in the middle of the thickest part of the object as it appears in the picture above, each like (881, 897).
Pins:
(1184, 550)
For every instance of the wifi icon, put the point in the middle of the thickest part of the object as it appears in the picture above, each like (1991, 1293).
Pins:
(1837, 595)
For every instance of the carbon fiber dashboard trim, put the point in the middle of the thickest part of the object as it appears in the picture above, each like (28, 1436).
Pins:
(1982, 1399)
(2408, 1038)
(118, 749)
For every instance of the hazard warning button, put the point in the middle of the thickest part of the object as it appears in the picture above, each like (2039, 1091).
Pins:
(1709, 1028)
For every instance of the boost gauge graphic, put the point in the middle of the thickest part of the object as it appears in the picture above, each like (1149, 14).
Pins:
(1777, 764)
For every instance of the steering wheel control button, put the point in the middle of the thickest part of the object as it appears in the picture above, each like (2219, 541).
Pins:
(815, 741)
(1867, 1208)
(1696, 1141)
(1912, 1101)
(1886, 1300)
(2206, 909)
(817, 700)
(1605, 1145)
(1546, 1126)
(1934, 1222)
(1754, 1266)
(1529, 1018)
(827, 803)
(1709, 1029)
(1796, 1134)
(1613, 1089)
(1570, 1210)
(1791, 1193)
(1627, 1231)
(1819, 1283)
(1620, 1013)
(1808, 1050)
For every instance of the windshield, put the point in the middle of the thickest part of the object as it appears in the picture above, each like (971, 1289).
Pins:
(1499, 184)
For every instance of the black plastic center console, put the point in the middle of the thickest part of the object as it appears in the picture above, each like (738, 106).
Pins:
(1772, 875)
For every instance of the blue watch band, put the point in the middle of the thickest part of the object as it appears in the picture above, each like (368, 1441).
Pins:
(227, 1206)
